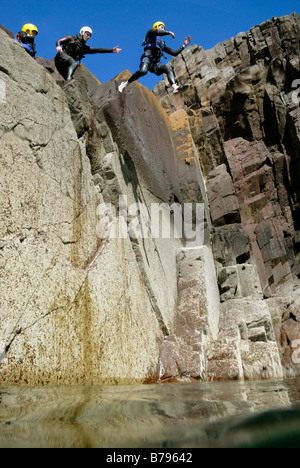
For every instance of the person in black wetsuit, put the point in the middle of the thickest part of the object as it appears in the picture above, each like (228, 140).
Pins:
(155, 46)
(71, 49)
(26, 38)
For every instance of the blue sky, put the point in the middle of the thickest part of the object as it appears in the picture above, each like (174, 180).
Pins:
(125, 23)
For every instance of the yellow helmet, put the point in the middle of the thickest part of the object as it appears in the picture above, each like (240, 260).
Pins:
(30, 27)
(159, 23)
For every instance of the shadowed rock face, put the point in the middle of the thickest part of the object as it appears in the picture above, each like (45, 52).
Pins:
(245, 122)
(244, 114)
(80, 304)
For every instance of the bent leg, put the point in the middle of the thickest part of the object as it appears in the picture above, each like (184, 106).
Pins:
(141, 72)
(66, 65)
(164, 68)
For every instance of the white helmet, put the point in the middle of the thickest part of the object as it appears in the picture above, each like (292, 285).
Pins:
(86, 29)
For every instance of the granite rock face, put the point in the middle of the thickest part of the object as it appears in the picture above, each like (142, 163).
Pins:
(78, 303)
(92, 290)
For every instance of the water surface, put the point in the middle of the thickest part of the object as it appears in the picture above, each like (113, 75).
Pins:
(172, 415)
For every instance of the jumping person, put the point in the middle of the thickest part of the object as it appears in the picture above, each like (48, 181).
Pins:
(26, 38)
(71, 49)
(155, 46)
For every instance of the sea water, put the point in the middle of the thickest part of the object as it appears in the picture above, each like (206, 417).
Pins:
(171, 415)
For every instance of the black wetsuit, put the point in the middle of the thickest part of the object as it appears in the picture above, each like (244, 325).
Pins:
(155, 46)
(27, 42)
(74, 49)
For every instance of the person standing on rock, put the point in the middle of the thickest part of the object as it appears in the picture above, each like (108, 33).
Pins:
(26, 38)
(155, 46)
(71, 49)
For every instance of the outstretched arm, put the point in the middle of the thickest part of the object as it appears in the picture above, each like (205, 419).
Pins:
(101, 50)
(174, 53)
(158, 32)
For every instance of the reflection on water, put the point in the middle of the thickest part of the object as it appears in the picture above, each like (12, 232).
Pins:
(177, 415)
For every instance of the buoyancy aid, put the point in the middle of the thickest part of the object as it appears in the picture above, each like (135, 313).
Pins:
(155, 42)
(27, 42)
(76, 48)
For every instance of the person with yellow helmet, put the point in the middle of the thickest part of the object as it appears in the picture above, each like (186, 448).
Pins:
(154, 48)
(71, 49)
(26, 38)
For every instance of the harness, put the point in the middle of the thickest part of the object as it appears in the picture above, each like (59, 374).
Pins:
(29, 46)
(75, 48)
(157, 43)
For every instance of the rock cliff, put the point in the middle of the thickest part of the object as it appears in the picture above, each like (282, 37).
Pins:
(92, 289)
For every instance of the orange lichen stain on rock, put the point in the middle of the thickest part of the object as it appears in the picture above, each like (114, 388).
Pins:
(153, 103)
(177, 123)
(86, 71)
(123, 76)
(182, 137)
(189, 160)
